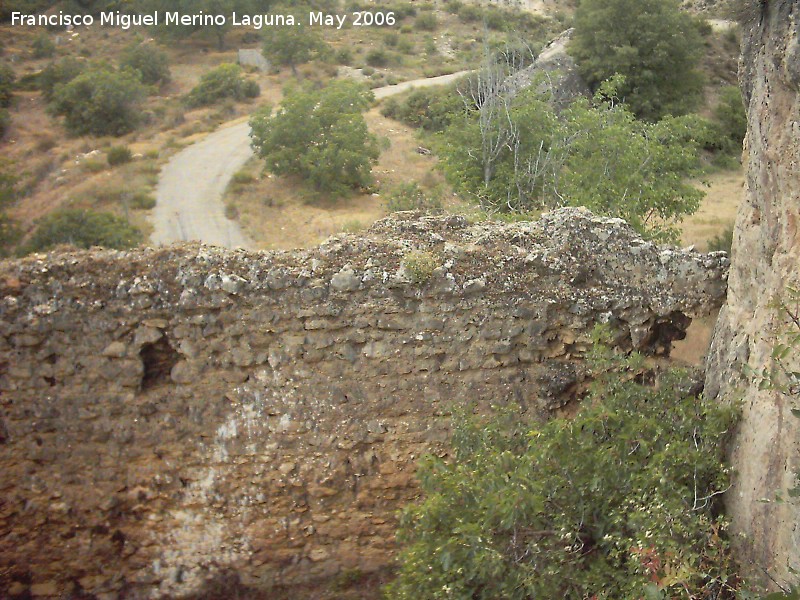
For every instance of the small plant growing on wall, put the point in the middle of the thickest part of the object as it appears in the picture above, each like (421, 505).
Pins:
(419, 266)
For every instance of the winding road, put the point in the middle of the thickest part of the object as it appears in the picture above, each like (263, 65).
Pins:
(191, 185)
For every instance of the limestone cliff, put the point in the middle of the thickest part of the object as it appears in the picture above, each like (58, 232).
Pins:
(765, 259)
(170, 415)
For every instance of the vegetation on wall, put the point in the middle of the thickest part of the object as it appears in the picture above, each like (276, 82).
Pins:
(620, 502)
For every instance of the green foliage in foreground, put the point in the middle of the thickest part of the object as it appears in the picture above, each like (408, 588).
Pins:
(620, 502)
(225, 81)
(100, 101)
(654, 44)
(84, 229)
(519, 155)
(320, 136)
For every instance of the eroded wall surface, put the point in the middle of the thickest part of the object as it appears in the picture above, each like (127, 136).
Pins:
(765, 260)
(170, 415)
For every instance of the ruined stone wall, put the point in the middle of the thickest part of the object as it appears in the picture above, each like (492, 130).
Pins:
(170, 415)
(765, 260)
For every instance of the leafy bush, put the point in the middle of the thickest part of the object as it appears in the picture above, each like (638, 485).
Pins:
(292, 46)
(343, 56)
(722, 241)
(653, 43)
(119, 155)
(149, 61)
(225, 81)
(319, 135)
(142, 201)
(594, 155)
(7, 79)
(419, 266)
(43, 46)
(377, 57)
(409, 196)
(5, 121)
(100, 101)
(432, 109)
(9, 231)
(59, 72)
(426, 22)
(622, 501)
(84, 229)
(731, 117)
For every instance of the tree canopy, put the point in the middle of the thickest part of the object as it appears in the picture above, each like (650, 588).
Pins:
(319, 135)
(100, 101)
(620, 501)
(518, 154)
(652, 43)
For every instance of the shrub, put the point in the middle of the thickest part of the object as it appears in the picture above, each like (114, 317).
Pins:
(722, 241)
(60, 72)
(84, 229)
(343, 56)
(43, 46)
(432, 109)
(470, 13)
(292, 46)
(731, 117)
(622, 501)
(119, 155)
(149, 61)
(409, 196)
(5, 121)
(652, 43)
(377, 57)
(7, 79)
(419, 266)
(142, 201)
(100, 101)
(426, 22)
(251, 89)
(225, 81)
(319, 135)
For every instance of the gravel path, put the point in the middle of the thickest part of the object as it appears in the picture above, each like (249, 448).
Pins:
(191, 185)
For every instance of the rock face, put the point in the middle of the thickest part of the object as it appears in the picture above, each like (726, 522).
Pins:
(554, 72)
(173, 415)
(766, 259)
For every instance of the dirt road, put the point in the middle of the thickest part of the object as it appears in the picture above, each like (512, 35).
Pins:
(191, 185)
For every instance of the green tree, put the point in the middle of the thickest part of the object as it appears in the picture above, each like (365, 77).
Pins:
(225, 81)
(525, 157)
(622, 501)
(100, 101)
(149, 61)
(59, 72)
(652, 43)
(731, 116)
(319, 135)
(84, 229)
(292, 46)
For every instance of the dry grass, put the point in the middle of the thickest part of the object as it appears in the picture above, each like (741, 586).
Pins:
(718, 211)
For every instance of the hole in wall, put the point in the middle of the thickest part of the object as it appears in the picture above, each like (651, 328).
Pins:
(158, 359)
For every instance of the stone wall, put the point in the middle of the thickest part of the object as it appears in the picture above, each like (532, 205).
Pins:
(169, 415)
(765, 259)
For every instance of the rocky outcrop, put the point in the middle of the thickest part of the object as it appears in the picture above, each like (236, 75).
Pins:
(765, 261)
(554, 73)
(169, 415)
